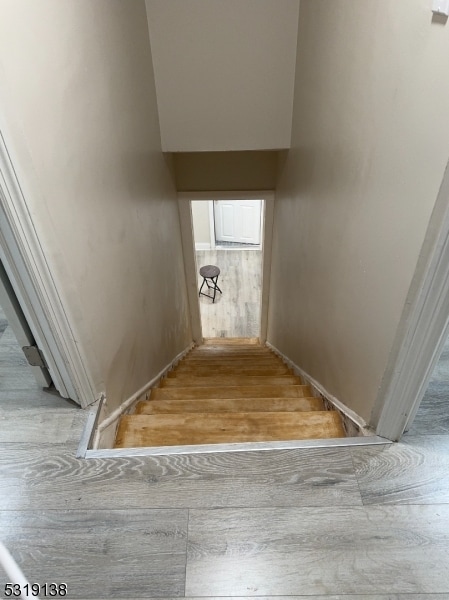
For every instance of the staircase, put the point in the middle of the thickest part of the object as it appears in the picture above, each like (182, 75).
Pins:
(228, 390)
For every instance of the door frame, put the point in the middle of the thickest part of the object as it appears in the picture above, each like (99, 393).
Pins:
(211, 208)
(423, 329)
(32, 281)
(184, 199)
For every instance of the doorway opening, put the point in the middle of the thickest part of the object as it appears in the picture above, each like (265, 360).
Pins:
(228, 233)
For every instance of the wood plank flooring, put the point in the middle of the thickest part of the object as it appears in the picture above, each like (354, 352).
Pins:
(314, 524)
(235, 312)
(275, 551)
(433, 414)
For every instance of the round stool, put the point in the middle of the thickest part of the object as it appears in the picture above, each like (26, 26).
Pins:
(210, 273)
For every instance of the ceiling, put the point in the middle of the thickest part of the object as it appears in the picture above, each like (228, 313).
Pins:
(224, 72)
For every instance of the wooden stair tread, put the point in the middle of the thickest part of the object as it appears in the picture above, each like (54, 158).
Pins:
(228, 349)
(214, 354)
(228, 391)
(231, 361)
(237, 341)
(213, 405)
(226, 370)
(242, 391)
(200, 428)
(230, 380)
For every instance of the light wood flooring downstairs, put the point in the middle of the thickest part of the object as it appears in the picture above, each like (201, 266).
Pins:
(359, 523)
(235, 312)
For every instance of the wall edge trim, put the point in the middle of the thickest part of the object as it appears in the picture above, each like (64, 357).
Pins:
(347, 413)
(35, 287)
(114, 417)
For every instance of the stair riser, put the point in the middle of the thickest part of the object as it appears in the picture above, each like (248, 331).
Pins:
(211, 354)
(222, 381)
(150, 407)
(233, 359)
(213, 372)
(260, 391)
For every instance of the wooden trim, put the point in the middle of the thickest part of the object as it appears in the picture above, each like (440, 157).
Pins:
(356, 423)
(423, 329)
(33, 283)
(210, 206)
(188, 251)
(268, 216)
(111, 421)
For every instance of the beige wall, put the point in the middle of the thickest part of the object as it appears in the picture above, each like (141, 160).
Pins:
(79, 97)
(369, 147)
(201, 221)
(224, 72)
(206, 171)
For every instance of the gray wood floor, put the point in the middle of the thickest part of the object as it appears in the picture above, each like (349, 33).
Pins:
(318, 524)
(433, 413)
(235, 312)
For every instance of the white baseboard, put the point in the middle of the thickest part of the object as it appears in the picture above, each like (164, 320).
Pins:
(202, 246)
(354, 424)
(101, 429)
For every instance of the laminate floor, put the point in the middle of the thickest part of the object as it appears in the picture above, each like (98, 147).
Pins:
(433, 414)
(235, 312)
(319, 524)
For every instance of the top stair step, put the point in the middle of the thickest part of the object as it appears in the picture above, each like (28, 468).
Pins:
(229, 348)
(231, 341)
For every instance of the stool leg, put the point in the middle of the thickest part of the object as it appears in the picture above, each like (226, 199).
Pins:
(215, 282)
(204, 281)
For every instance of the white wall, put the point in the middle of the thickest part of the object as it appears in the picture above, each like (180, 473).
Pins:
(78, 93)
(224, 72)
(201, 223)
(369, 147)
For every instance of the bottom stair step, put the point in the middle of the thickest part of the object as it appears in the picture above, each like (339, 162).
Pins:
(200, 428)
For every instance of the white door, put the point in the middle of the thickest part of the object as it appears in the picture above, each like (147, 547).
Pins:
(238, 221)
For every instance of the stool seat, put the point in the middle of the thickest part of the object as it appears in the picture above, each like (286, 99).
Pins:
(210, 272)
